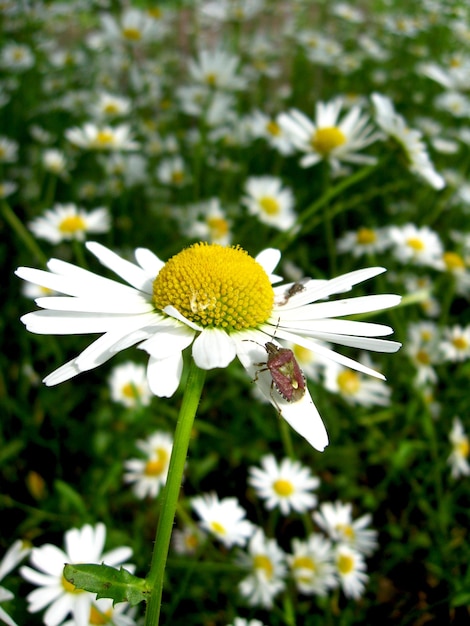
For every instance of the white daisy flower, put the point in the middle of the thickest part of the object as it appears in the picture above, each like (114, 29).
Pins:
(206, 221)
(272, 203)
(128, 385)
(409, 140)
(173, 171)
(267, 563)
(265, 127)
(224, 519)
(241, 621)
(109, 105)
(327, 137)
(133, 27)
(93, 137)
(7, 188)
(336, 519)
(455, 344)
(424, 351)
(216, 69)
(286, 485)
(221, 301)
(187, 540)
(311, 563)
(16, 57)
(15, 553)
(103, 611)
(149, 475)
(65, 222)
(364, 241)
(458, 458)
(54, 161)
(84, 545)
(354, 387)
(351, 568)
(8, 150)
(415, 244)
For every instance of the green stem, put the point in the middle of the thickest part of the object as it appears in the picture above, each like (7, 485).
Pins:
(22, 232)
(171, 492)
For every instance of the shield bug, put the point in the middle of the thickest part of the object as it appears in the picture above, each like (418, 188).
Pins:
(287, 377)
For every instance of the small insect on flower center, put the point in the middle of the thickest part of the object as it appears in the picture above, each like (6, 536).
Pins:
(283, 488)
(366, 236)
(348, 382)
(269, 205)
(264, 563)
(72, 224)
(326, 139)
(345, 563)
(453, 261)
(215, 286)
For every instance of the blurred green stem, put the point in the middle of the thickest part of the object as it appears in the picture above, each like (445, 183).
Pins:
(171, 492)
(22, 232)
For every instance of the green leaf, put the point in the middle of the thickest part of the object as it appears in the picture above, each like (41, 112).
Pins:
(108, 582)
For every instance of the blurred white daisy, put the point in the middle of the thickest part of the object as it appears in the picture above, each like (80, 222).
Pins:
(133, 27)
(351, 570)
(458, 458)
(455, 343)
(311, 563)
(354, 387)
(218, 299)
(415, 244)
(364, 241)
(7, 188)
(109, 105)
(84, 545)
(423, 349)
(54, 161)
(12, 557)
(286, 485)
(267, 564)
(128, 385)
(409, 140)
(265, 127)
(207, 221)
(8, 150)
(65, 222)
(327, 137)
(241, 621)
(103, 611)
(224, 519)
(93, 137)
(148, 475)
(173, 171)
(267, 198)
(336, 520)
(187, 540)
(16, 57)
(217, 69)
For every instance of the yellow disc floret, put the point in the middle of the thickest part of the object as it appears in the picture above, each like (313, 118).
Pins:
(216, 287)
(326, 139)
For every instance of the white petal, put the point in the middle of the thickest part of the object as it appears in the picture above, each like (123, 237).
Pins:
(268, 259)
(148, 261)
(213, 348)
(66, 323)
(164, 375)
(167, 341)
(131, 273)
(170, 310)
(133, 303)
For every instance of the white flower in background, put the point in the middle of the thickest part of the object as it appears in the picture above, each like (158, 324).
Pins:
(241, 621)
(8, 150)
(424, 350)
(12, 557)
(273, 204)
(16, 57)
(351, 570)
(54, 161)
(327, 138)
(286, 485)
(336, 520)
(226, 10)
(216, 69)
(84, 545)
(265, 127)
(355, 388)
(102, 611)
(7, 188)
(311, 363)
(187, 540)
(409, 140)
(133, 27)
(267, 564)
(458, 458)
(454, 103)
(418, 245)
(148, 475)
(109, 105)
(207, 221)
(93, 137)
(455, 344)
(128, 385)
(311, 563)
(454, 76)
(364, 241)
(65, 222)
(218, 299)
(173, 171)
(223, 519)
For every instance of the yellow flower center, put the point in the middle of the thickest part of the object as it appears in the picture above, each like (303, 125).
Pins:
(98, 617)
(104, 138)
(215, 286)
(218, 528)
(132, 34)
(366, 236)
(218, 227)
(177, 177)
(191, 541)
(129, 390)
(349, 382)
(304, 355)
(273, 129)
(262, 562)
(463, 448)
(460, 343)
(416, 244)
(156, 467)
(423, 357)
(69, 588)
(426, 335)
(283, 488)
(72, 224)
(211, 79)
(155, 13)
(111, 108)
(326, 139)
(346, 529)
(269, 205)
(453, 261)
(303, 562)
(345, 563)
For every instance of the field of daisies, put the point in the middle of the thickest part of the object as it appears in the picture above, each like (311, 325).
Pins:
(235, 247)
